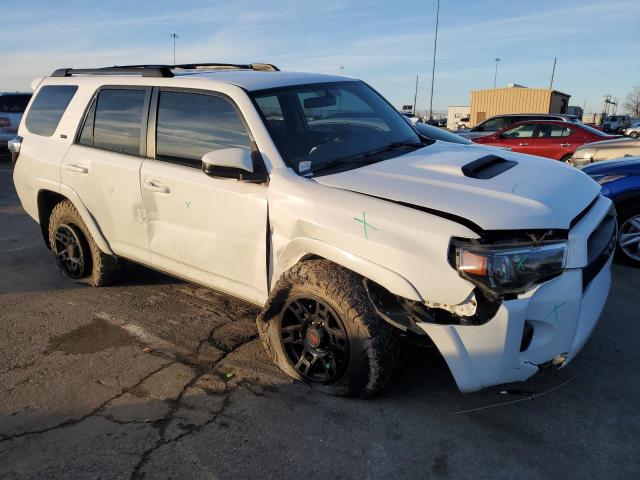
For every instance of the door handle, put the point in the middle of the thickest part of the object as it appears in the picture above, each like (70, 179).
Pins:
(565, 144)
(523, 144)
(154, 186)
(77, 169)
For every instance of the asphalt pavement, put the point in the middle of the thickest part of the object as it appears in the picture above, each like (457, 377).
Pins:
(157, 378)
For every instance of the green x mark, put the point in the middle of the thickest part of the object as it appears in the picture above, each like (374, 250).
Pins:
(364, 223)
(188, 204)
(520, 263)
(556, 307)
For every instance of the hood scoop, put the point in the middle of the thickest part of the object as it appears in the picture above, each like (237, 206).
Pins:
(487, 167)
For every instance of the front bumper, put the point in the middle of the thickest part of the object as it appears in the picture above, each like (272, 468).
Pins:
(563, 312)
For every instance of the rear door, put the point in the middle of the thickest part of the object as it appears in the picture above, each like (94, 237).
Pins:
(209, 230)
(553, 141)
(103, 166)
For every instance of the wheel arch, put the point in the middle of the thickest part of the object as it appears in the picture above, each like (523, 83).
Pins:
(48, 199)
(301, 249)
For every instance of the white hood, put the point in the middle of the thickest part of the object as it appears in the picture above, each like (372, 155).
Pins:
(537, 193)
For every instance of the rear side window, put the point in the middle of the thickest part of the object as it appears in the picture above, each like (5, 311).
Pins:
(114, 121)
(48, 107)
(14, 103)
(190, 125)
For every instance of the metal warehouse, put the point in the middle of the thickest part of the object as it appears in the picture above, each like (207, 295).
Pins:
(516, 99)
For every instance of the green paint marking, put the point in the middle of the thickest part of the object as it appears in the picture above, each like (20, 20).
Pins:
(520, 263)
(364, 223)
(188, 204)
(556, 307)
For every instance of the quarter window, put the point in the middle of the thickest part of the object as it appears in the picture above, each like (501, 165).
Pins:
(191, 124)
(114, 122)
(48, 107)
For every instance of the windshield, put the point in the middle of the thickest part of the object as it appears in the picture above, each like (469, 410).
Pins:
(333, 125)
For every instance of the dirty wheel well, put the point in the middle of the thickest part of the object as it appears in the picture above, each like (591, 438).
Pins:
(47, 200)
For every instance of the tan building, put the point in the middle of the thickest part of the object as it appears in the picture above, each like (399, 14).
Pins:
(516, 99)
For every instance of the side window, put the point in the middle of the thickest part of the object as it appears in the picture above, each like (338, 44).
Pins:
(114, 121)
(550, 131)
(48, 108)
(493, 124)
(190, 125)
(521, 131)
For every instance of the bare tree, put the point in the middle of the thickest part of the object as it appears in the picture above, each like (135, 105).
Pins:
(632, 101)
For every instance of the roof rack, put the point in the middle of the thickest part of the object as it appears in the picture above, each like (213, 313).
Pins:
(162, 70)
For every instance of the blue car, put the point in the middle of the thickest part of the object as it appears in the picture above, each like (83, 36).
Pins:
(620, 180)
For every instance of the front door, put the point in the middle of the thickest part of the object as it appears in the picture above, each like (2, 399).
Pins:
(209, 230)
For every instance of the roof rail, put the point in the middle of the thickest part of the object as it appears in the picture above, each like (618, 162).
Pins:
(162, 70)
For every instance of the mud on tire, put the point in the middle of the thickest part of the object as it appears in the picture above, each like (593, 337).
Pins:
(373, 345)
(97, 268)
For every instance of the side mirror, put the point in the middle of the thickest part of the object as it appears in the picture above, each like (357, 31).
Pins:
(232, 163)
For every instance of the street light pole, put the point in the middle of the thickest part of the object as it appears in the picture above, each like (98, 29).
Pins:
(495, 75)
(433, 68)
(174, 36)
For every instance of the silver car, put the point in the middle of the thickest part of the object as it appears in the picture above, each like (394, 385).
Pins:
(12, 106)
(633, 131)
(605, 150)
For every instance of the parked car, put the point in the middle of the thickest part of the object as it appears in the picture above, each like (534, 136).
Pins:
(500, 122)
(616, 123)
(633, 130)
(348, 230)
(605, 150)
(12, 106)
(620, 180)
(557, 140)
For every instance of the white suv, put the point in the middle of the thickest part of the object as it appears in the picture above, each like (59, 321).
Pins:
(311, 196)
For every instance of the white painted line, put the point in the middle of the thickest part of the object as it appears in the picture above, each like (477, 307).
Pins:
(10, 238)
(21, 248)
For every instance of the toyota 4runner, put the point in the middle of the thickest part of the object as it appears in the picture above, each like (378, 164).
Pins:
(311, 196)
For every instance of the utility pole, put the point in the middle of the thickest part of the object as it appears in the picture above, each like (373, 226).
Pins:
(174, 36)
(553, 72)
(341, 70)
(433, 68)
(495, 75)
(415, 96)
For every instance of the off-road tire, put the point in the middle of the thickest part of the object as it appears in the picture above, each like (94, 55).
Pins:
(374, 347)
(101, 269)
(624, 214)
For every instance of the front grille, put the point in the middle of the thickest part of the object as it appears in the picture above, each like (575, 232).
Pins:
(600, 247)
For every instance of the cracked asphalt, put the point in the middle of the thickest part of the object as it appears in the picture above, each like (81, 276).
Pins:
(156, 378)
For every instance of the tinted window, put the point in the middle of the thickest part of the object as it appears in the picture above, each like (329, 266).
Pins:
(86, 136)
(491, 125)
(48, 107)
(549, 131)
(117, 125)
(190, 125)
(14, 103)
(521, 131)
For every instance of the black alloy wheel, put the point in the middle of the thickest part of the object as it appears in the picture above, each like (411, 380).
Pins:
(70, 251)
(314, 339)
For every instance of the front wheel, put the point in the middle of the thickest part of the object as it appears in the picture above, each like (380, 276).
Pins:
(629, 235)
(319, 327)
(634, 134)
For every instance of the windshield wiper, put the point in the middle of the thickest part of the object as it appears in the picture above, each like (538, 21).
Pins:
(358, 159)
(393, 146)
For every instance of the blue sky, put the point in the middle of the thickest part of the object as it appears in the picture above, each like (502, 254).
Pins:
(386, 43)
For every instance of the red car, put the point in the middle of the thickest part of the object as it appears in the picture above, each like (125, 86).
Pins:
(546, 138)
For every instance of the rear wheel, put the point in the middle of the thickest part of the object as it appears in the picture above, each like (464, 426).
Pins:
(320, 327)
(566, 158)
(75, 251)
(629, 235)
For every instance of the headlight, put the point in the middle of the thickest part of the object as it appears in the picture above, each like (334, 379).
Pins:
(586, 154)
(504, 269)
